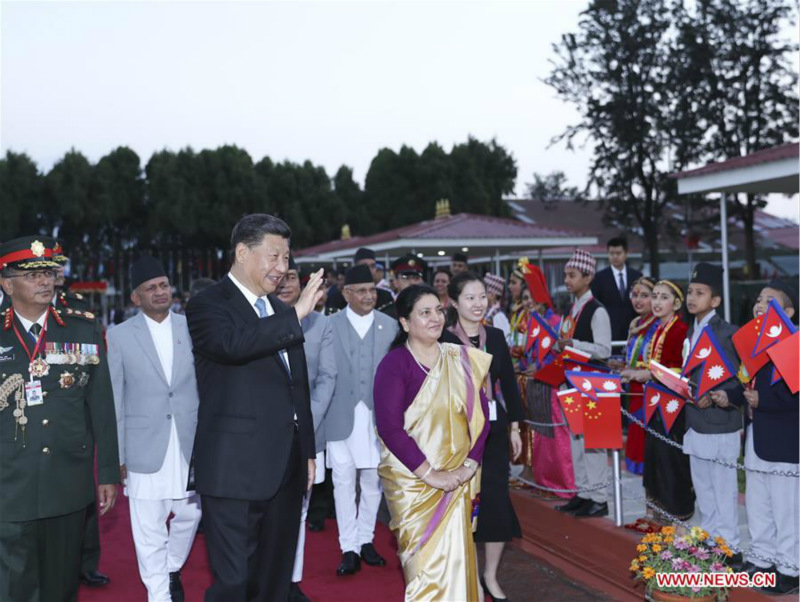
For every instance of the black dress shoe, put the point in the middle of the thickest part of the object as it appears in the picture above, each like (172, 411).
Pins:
(751, 569)
(94, 579)
(573, 504)
(735, 562)
(296, 594)
(316, 525)
(591, 509)
(370, 556)
(176, 587)
(351, 564)
(784, 584)
(490, 594)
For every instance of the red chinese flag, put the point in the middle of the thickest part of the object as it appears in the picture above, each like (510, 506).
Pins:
(786, 357)
(744, 340)
(602, 422)
(672, 380)
(591, 384)
(575, 359)
(572, 403)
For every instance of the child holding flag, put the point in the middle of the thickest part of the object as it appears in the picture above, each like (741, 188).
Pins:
(714, 425)
(586, 327)
(772, 501)
(667, 478)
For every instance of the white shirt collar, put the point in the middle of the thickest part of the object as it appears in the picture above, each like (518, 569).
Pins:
(166, 323)
(617, 272)
(26, 323)
(250, 295)
(698, 326)
(360, 321)
(581, 301)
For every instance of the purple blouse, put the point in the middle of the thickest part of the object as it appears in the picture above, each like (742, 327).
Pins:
(397, 382)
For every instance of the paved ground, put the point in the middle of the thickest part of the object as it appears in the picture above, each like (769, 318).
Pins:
(525, 578)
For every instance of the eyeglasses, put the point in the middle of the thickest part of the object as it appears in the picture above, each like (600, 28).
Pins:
(34, 276)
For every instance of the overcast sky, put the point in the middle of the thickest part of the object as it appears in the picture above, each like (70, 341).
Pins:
(332, 82)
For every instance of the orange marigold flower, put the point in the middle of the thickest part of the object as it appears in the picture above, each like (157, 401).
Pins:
(641, 548)
(668, 530)
(649, 572)
(642, 558)
(634, 566)
(656, 547)
(669, 540)
(720, 541)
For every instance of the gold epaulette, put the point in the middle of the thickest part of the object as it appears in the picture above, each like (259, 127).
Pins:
(76, 313)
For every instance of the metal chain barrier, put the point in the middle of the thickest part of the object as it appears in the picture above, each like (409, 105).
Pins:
(587, 489)
(533, 423)
(737, 466)
(674, 519)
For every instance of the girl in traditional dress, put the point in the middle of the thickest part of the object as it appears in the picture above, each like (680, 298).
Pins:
(667, 477)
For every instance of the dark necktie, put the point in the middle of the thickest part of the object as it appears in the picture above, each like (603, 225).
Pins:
(622, 292)
(34, 331)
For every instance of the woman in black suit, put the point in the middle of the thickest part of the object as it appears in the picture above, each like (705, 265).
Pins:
(497, 521)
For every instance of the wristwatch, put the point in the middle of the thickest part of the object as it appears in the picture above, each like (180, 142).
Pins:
(471, 464)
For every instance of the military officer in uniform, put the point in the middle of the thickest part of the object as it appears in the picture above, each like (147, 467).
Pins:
(55, 391)
(408, 269)
(64, 298)
(90, 552)
(385, 304)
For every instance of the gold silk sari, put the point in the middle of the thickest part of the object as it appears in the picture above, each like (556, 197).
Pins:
(434, 528)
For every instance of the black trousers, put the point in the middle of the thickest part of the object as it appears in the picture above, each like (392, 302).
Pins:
(251, 544)
(90, 552)
(321, 503)
(40, 559)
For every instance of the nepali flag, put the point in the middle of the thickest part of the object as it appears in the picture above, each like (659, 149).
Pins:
(786, 357)
(592, 384)
(602, 422)
(715, 367)
(552, 373)
(775, 327)
(661, 399)
(572, 402)
(672, 380)
(541, 337)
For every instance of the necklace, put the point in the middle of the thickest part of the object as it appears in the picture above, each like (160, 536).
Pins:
(657, 342)
(421, 367)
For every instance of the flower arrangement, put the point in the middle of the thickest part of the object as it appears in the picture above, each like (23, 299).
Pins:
(692, 551)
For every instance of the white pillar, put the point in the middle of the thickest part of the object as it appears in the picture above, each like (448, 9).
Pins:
(726, 277)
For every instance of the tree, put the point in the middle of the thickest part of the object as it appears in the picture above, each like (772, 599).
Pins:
(550, 188)
(616, 71)
(20, 196)
(747, 90)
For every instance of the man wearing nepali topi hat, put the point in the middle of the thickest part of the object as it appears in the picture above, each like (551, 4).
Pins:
(361, 337)
(55, 391)
(385, 303)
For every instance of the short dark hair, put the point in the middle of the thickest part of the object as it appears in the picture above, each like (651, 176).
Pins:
(443, 270)
(252, 228)
(618, 241)
(200, 285)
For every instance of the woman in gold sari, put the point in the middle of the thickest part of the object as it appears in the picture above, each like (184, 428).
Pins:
(431, 416)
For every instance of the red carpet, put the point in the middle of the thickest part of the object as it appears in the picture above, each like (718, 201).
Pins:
(320, 583)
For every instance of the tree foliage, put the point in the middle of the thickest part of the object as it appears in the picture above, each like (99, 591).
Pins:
(661, 87)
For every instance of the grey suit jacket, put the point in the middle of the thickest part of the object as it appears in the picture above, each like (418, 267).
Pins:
(339, 418)
(146, 405)
(321, 363)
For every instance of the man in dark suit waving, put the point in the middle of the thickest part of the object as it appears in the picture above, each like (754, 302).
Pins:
(612, 287)
(254, 450)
